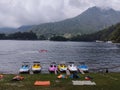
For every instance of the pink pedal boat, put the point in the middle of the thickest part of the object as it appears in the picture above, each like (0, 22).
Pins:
(53, 67)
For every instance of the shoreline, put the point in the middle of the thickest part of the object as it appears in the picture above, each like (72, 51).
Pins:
(98, 72)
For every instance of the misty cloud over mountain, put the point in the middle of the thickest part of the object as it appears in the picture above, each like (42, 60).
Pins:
(14, 13)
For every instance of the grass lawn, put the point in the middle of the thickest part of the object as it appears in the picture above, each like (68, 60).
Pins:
(110, 81)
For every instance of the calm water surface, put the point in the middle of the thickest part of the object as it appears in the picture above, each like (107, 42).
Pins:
(95, 55)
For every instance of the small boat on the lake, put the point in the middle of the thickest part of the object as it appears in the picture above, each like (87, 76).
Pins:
(83, 67)
(62, 67)
(36, 67)
(25, 68)
(98, 41)
(72, 67)
(52, 67)
(108, 41)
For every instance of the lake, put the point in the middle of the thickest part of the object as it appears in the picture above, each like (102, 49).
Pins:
(95, 55)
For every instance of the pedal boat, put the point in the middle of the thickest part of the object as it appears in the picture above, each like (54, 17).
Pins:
(83, 67)
(72, 67)
(52, 67)
(62, 67)
(36, 67)
(25, 68)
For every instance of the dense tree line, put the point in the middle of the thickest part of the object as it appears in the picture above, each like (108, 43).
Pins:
(23, 36)
(2, 36)
(109, 34)
(20, 36)
(58, 38)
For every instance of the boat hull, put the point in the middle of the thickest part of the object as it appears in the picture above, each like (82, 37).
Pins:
(36, 70)
(84, 68)
(24, 71)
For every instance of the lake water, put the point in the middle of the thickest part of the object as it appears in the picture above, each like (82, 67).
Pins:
(95, 55)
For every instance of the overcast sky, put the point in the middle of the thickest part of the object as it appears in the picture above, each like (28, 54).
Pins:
(14, 13)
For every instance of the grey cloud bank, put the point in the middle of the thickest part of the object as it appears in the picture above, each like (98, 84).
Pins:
(14, 13)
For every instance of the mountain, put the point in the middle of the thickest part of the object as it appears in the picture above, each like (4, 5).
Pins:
(7, 30)
(91, 20)
(24, 28)
(111, 33)
(13, 30)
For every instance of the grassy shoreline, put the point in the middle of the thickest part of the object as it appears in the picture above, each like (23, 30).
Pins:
(104, 81)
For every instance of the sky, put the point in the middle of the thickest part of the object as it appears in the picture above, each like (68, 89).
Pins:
(15, 13)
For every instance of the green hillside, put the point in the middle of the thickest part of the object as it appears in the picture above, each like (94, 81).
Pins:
(109, 34)
(112, 33)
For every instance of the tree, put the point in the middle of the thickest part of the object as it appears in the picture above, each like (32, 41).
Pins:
(2, 36)
(58, 38)
(23, 36)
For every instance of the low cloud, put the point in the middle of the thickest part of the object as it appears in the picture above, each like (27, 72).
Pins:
(14, 13)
